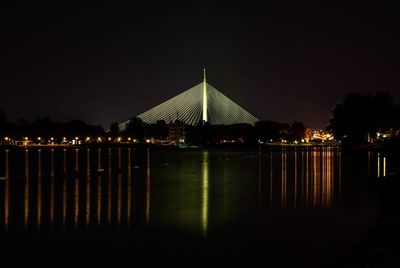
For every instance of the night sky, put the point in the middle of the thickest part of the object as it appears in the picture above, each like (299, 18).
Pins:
(286, 63)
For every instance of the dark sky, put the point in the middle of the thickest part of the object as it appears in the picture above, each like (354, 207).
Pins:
(282, 62)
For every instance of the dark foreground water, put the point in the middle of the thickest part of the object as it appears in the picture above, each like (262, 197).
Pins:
(234, 207)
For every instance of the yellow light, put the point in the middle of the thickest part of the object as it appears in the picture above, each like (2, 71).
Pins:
(148, 141)
(99, 139)
(51, 138)
(6, 138)
(26, 138)
(76, 138)
(119, 139)
(87, 138)
(129, 139)
(39, 138)
(109, 138)
(205, 202)
(205, 98)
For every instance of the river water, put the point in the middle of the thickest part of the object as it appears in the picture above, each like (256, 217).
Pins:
(232, 206)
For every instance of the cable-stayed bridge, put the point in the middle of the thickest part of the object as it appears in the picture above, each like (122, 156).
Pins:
(201, 103)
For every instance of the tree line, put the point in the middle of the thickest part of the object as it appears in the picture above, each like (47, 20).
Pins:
(47, 128)
(200, 134)
(207, 134)
(359, 118)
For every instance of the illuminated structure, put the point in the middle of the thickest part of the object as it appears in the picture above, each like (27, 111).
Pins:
(322, 135)
(176, 132)
(201, 103)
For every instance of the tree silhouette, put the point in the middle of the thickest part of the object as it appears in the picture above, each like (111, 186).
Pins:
(114, 129)
(361, 114)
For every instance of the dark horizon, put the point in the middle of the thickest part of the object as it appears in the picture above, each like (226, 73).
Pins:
(281, 63)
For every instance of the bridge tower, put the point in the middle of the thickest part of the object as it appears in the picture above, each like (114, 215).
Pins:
(204, 98)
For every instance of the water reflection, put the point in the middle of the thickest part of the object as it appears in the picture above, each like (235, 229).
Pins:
(69, 189)
(119, 187)
(148, 187)
(88, 195)
(129, 189)
(283, 179)
(76, 204)
(26, 190)
(302, 179)
(64, 190)
(204, 207)
(379, 166)
(39, 190)
(7, 192)
(109, 187)
(52, 188)
(99, 188)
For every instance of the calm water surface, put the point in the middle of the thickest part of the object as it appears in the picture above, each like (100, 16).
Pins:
(285, 206)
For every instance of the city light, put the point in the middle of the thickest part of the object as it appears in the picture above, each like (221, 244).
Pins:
(322, 135)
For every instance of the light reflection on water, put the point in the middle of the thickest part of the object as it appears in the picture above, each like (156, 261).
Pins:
(75, 189)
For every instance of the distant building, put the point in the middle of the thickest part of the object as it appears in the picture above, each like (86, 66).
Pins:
(308, 134)
(322, 135)
(176, 132)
